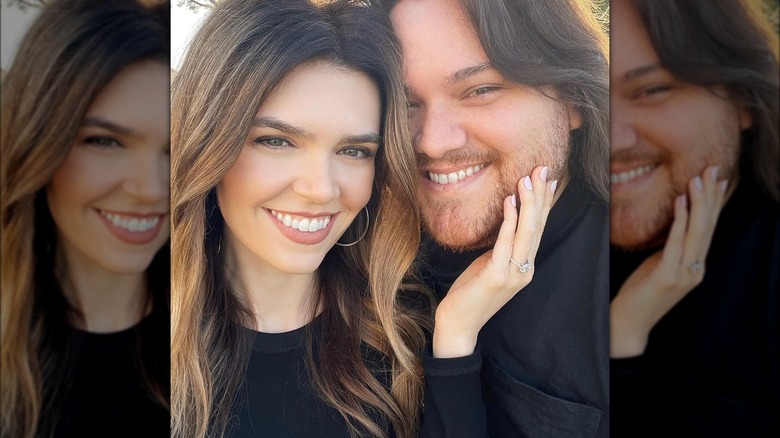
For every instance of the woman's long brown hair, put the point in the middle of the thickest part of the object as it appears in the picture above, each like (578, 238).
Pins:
(70, 53)
(243, 50)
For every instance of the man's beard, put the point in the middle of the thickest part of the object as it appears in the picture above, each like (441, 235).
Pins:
(460, 225)
(637, 225)
(652, 225)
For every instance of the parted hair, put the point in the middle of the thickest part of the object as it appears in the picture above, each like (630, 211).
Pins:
(70, 53)
(238, 57)
(727, 44)
(558, 44)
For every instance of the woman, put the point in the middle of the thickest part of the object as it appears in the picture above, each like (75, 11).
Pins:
(294, 227)
(245, 182)
(85, 260)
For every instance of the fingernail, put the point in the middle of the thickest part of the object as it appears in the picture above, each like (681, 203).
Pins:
(527, 183)
(683, 201)
(513, 200)
(543, 174)
(553, 186)
(714, 173)
(724, 185)
(697, 183)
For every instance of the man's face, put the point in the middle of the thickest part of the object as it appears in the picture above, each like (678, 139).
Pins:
(663, 133)
(475, 132)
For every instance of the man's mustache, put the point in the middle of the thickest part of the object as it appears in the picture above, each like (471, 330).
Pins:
(635, 155)
(457, 158)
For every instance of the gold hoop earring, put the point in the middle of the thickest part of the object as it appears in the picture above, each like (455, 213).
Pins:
(368, 222)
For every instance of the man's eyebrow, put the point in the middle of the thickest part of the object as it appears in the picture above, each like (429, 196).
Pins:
(99, 122)
(468, 72)
(640, 71)
(273, 123)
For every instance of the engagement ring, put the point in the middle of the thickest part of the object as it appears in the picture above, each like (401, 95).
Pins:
(524, 267)
(695, 267)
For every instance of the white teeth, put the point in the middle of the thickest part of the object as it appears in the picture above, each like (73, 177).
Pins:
(452, 178)
(622, 177)
(131, 224)
(308, 225)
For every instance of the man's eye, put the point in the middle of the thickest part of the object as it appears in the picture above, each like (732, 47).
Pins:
(653, 91)
(481, 91)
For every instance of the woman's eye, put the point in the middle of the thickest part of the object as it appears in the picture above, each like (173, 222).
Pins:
(272, 142)
(355, 152)
(103, 142)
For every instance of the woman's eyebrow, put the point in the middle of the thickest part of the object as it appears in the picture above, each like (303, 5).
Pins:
(274, 123)
(363, 138)
(271, 122)
(100, 122)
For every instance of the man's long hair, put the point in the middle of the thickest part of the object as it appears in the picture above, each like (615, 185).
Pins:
(727, 44)
(558, 44)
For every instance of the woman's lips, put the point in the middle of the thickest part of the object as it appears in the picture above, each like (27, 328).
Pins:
(133, 228)
(303, 229)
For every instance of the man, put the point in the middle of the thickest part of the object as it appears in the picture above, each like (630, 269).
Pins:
(496, 89)
(695, 318)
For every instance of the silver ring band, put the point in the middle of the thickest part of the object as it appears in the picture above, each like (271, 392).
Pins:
(524, 267)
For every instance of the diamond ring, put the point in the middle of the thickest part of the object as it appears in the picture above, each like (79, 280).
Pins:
(524, 267)
(695, 267)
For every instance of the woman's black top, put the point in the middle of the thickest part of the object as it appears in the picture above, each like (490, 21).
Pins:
(277, 398)
(107, 396)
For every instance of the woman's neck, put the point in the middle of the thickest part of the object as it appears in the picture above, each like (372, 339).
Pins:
(279, 301)
(107, 301)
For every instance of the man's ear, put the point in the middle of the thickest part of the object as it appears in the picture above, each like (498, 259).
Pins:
(575, 118)
(745, 118)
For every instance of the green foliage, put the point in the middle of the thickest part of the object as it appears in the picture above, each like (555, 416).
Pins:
(600, 9)
(195, 5)
(24, 4)
(772, 10)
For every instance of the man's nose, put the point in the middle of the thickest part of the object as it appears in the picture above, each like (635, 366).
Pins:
(437, 130)
(623, 131)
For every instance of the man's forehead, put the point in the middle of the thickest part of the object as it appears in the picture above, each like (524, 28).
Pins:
(438, 42)
(632, 51)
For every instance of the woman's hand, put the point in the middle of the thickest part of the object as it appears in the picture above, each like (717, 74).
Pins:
(665, 277)
(496, 276)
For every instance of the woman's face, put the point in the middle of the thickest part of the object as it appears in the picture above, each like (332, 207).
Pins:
(110, 199)
(305, 171)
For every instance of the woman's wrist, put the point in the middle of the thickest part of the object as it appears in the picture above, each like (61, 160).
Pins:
(626, 338)
(452, 340)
